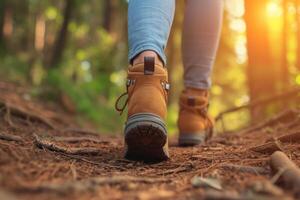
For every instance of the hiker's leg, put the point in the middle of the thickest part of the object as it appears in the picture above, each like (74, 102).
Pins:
(201, 33)
(145, 133)
(149, 24)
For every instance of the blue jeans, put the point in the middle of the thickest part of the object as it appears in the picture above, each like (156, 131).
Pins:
(149, 24)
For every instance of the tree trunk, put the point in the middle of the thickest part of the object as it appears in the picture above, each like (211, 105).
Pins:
(61, 37)
(8, 26)
(2, 11)
(110, 9)
(107, 15)
(260, 70)
(284, 72)
(298, 33)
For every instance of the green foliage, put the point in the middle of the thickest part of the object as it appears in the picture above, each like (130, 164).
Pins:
(90, 77)
(14, 69)
(93, 99)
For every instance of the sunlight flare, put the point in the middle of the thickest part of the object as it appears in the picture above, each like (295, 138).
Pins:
(274, 9)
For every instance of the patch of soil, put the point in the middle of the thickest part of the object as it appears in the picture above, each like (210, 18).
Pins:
(44, 155)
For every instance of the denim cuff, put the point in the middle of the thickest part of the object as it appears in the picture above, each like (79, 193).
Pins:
(133, 53)
(197, 85)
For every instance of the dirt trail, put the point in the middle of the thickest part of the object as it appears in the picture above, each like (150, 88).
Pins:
(42, 159)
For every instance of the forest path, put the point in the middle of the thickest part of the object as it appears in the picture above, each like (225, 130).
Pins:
(39, 159)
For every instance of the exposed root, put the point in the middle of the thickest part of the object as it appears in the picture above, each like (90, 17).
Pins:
(267, 148)
(20, 112)
(10, 137)
(283, 117)
(290, 138)
(50, 145)
(277, 97)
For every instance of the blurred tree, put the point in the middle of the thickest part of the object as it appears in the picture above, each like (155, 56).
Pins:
(298, 33)
(7, 23)
(284, 72)
(173, 52)
(62, 34)
(109, 14)
(260, 72)
(2, 11)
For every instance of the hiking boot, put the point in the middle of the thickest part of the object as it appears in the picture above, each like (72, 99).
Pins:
(195, 126)
(145, 129)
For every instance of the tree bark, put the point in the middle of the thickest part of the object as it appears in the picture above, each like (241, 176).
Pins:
(61, 37)
(260, 72)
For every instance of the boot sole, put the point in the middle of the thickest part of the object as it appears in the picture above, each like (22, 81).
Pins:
(193, 139)
(146, 138)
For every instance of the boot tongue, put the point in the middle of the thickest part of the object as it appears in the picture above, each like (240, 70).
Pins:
(148, 67)
(196, 92)
(196, 98)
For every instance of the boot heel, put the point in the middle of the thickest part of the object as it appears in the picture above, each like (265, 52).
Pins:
(192, 139)
(146, 138)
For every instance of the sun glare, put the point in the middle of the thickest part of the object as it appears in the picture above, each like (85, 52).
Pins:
(273, 9)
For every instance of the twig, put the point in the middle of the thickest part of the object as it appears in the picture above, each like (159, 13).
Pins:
(276, 176)
(10, 137)
(73, 171)
(78, 139)
(90, 184)
(283, 116)
(7, 117)
(290, 176)
(177, 170)
(45, 143)
(291, 93)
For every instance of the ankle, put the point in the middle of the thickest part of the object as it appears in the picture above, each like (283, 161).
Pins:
(196, 91)
(140, 58)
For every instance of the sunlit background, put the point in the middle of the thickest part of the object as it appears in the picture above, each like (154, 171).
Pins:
(75, 53)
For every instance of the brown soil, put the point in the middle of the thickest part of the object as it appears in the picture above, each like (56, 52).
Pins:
(43, 155)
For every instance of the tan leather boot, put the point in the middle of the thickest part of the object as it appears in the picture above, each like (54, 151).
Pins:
(195, 126)
(145, 129)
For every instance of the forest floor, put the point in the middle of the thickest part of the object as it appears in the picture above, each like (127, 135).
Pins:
(44, 155)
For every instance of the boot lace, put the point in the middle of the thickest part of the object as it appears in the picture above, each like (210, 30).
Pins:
(119, 108)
